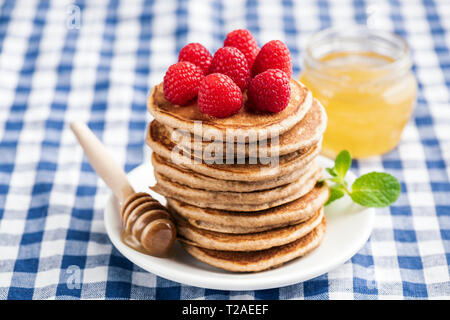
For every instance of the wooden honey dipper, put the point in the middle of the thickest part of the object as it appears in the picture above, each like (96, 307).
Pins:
(147, 224)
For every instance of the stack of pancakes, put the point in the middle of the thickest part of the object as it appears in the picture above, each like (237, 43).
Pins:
(233, 210)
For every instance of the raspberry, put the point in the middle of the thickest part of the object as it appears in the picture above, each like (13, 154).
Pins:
(273, 55)
(231, 62)
(196, 54)
(269, 91)
(219, 96)
(243, 40)
(181, 82)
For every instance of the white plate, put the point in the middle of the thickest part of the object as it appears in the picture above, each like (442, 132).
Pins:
(349, 227)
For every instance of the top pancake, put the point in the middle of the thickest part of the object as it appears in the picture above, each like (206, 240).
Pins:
(245, 122)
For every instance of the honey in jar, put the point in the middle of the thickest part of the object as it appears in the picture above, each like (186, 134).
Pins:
(363, 79)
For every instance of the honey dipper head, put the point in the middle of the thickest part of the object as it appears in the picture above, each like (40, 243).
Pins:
(158, 237)
(147, 225)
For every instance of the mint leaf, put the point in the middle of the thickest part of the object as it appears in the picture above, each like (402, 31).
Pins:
(331, 171)
(336, 192)
(337, 180)
(342, 163)
(375, 189)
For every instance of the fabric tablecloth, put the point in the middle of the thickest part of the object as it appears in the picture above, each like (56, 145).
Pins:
(95, 61)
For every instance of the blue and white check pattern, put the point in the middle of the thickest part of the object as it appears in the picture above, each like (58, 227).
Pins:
(53, 71)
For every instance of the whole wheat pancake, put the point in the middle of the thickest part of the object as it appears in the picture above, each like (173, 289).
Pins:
(158, 138)
(255, 197)
(238, 125)
(253, 261)
(293, 212)
(200, 181)
(245, 201)
(305, 134)
(248, 241)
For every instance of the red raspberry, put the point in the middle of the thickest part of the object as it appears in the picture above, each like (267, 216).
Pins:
(269, 91)
(243, 40)
(231, 62)
(196, 54)
(181, 82)
(219, 96)
(273, 55)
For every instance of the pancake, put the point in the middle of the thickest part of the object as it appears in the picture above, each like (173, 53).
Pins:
(244, 201)
(238, 125)
(305, 134)
(253, 261)
(200, 181)
(247, 241)
(158, 138)
(293, 212)
(254, 197)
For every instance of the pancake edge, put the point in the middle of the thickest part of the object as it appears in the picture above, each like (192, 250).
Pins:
(240, 242)
(313, 239)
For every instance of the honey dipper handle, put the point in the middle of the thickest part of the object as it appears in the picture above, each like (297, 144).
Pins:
(102, 162)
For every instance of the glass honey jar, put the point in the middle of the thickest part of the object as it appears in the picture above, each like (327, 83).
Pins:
(364, 80)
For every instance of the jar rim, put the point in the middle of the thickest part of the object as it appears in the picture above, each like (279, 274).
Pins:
(364, 34)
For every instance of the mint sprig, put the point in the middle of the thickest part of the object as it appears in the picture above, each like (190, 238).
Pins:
(374, 189)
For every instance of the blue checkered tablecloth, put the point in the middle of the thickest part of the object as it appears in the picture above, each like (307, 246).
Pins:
(96, 60)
